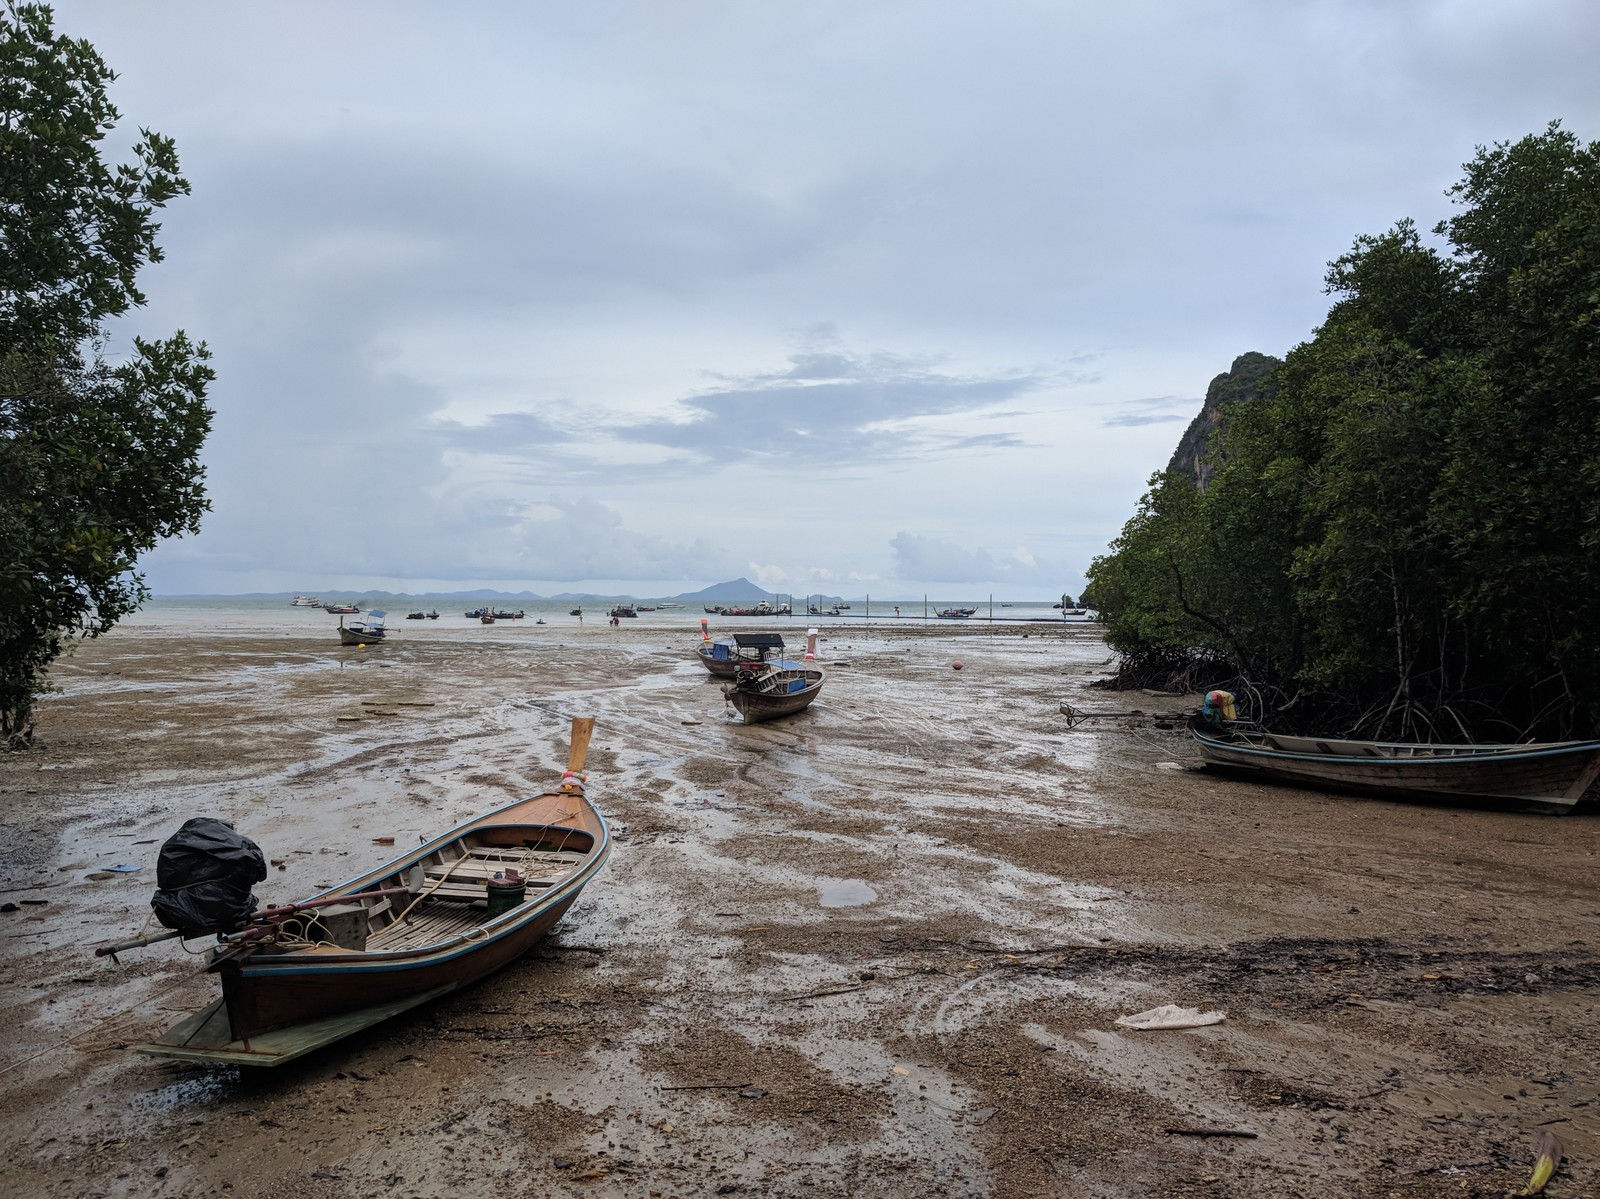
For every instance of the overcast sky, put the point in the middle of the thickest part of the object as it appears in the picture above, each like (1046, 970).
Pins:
(844, 296)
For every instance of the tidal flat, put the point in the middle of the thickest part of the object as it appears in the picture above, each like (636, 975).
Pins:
(876, 949)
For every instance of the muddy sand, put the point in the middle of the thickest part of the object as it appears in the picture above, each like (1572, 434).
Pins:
(874, 950)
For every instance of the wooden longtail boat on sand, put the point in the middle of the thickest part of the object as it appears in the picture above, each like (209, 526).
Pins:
(450, 915)
(767, 691)
(363, 632)
(723, 658)
(1549, 776)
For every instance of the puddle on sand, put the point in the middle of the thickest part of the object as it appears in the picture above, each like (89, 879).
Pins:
(845, 893)
(205, 1089)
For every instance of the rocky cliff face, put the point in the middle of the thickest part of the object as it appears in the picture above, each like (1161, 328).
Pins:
(1246, 380)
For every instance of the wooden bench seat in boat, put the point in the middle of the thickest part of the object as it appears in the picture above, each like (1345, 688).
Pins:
(468, 877)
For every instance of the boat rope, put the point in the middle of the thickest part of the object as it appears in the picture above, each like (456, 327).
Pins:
(298, 938)
(183, 980)
(433, 886)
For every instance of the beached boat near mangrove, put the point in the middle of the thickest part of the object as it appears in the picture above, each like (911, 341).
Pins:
(1549, 776)
(440, 916)
(723, 658)
(767, 691)
(363, 632)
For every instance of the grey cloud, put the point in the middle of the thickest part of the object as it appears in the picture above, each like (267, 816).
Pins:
(584, 539)
(837, 407)
(1154, 410)
(1133, 420)
(926, 559)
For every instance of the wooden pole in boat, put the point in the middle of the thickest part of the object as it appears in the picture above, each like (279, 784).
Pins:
(264, 918)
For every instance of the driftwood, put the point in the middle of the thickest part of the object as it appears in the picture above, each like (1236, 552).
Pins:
(1210, 1132)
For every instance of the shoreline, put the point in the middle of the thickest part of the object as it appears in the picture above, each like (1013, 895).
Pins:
(954, 1034)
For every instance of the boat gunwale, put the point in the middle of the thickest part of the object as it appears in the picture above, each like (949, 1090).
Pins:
(1456, 753)
(453, 946)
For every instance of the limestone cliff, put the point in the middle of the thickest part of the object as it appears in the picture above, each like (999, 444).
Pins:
(1245, 381)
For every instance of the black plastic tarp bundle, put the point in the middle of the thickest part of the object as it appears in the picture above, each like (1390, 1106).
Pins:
(205, 873)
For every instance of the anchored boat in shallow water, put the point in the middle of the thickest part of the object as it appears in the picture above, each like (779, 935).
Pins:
(455, 908)
(1552, 776)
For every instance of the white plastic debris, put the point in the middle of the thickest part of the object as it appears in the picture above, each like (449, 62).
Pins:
(1170, 1015)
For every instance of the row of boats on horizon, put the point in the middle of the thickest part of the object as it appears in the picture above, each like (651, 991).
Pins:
(631, 609)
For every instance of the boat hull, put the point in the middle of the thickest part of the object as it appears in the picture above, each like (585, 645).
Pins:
(758, 706)
(260, 998)
(724, 669)
(1550, 776)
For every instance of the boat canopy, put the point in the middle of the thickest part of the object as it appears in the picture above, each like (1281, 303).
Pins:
(758, 640)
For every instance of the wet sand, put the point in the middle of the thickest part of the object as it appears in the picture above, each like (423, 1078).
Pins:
(875, 949)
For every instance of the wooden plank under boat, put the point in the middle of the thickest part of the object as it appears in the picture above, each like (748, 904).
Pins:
(769, 692)
(352, 965)
(1551, 776)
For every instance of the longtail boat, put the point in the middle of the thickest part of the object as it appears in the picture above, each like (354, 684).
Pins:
(766, 691)
(363, 632)
(1549, 776)
(440, 916)
(723, 658)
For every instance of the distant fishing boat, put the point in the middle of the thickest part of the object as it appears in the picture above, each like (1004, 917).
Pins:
(576, 612)
(623, 610)
(1551, 775)
(305, 601)
(762, 692)
(341, 609)
(438, 917)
